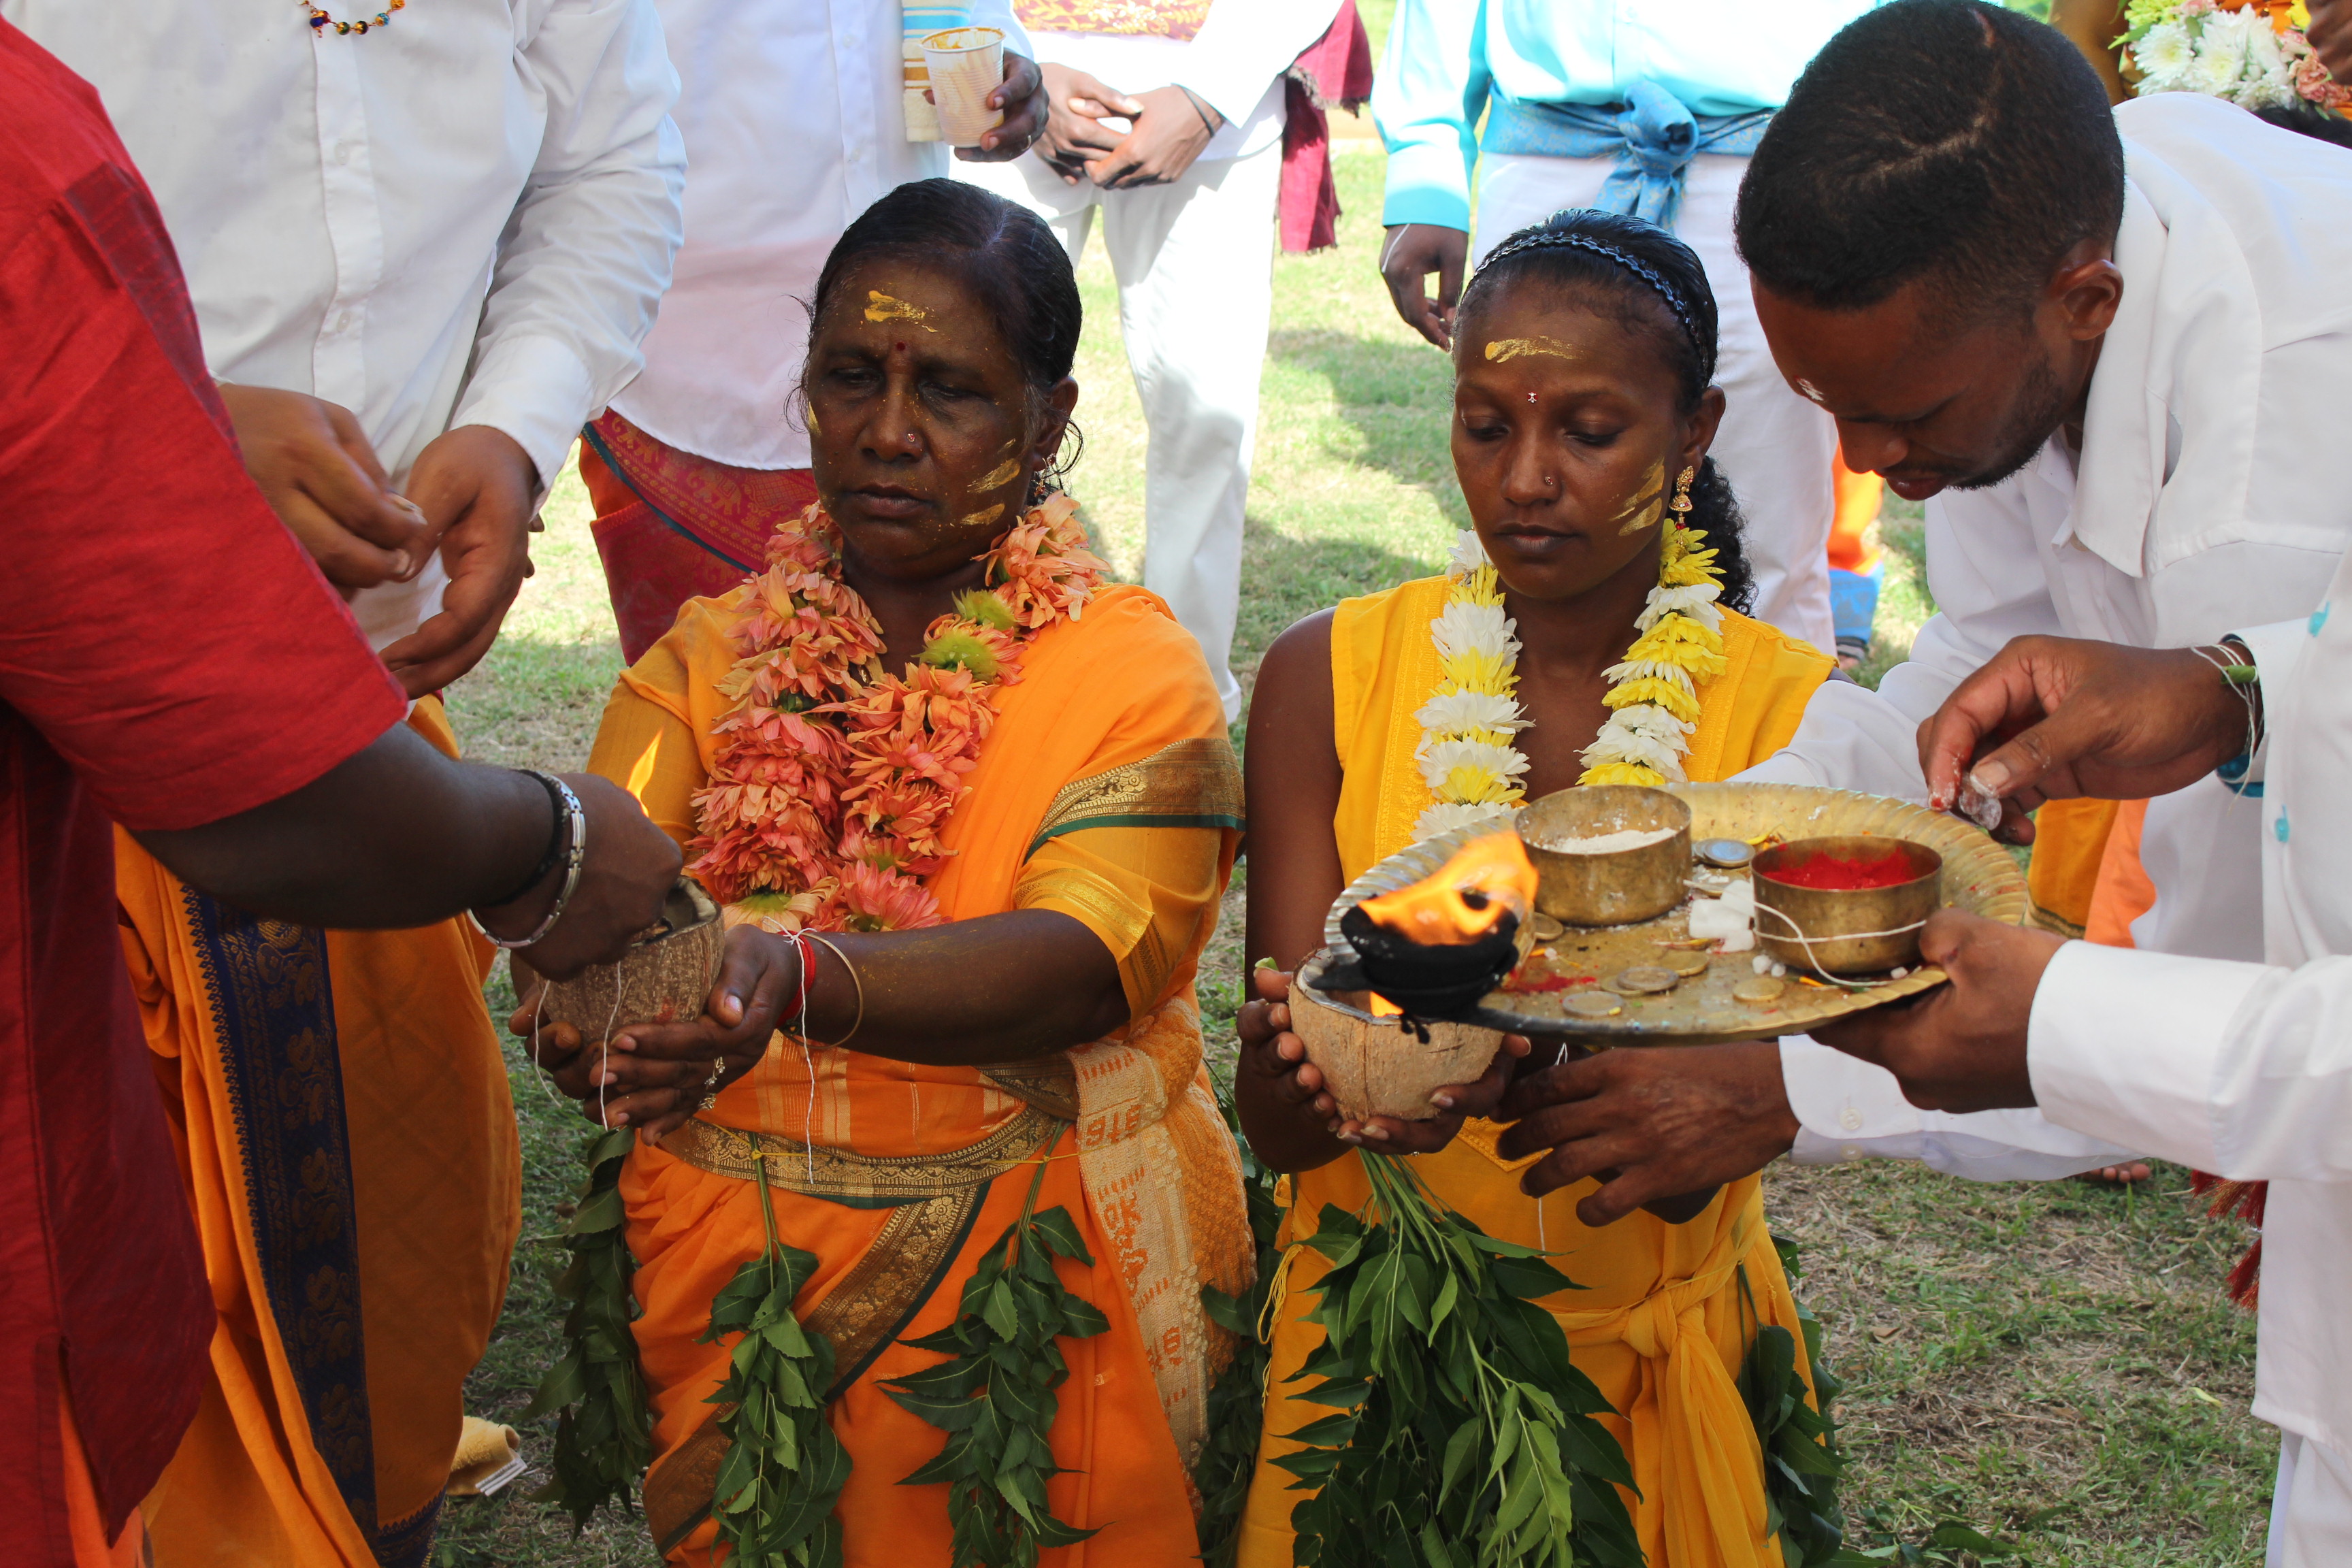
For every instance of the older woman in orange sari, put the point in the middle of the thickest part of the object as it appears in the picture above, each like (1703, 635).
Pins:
(971, 811)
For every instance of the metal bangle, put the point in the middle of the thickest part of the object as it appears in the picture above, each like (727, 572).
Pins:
(573, 853)
(857, 982)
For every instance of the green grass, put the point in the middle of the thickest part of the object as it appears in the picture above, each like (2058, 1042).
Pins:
(2055, 1363)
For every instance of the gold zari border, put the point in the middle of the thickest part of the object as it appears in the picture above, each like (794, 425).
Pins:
(1194, 783)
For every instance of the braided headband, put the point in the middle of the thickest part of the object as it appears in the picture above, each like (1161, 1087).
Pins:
(1553, 239)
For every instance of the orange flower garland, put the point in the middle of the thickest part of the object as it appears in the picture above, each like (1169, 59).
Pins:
(834, 779)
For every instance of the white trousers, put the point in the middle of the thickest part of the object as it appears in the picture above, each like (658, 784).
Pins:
(1194, 260)
(1774, 447)
(2311, 1512)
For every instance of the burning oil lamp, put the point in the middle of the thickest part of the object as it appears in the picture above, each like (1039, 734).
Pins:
(1433, 949)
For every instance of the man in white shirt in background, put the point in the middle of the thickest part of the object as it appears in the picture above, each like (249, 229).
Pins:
(422, 244)
(797, 116)
(1644, 107)
(1167, 117)
(2106, 348)
(2241, 1069)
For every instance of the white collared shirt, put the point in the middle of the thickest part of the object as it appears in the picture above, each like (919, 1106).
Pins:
(794, 116)
(2214, 490)
(466, 216)
(2245, 1070)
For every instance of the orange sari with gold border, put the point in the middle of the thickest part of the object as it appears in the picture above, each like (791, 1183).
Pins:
(1106, 791)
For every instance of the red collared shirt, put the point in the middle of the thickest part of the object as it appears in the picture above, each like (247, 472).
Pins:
(168, 658)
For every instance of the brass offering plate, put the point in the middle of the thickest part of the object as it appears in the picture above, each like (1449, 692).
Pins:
(1573, 984)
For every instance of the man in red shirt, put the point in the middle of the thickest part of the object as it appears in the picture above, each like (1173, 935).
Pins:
(171, 660)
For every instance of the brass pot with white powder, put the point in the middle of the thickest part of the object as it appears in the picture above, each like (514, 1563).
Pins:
(1607, 854)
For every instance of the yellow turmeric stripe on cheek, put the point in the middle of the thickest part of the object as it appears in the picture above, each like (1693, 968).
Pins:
(1647, 504)
(997, 477)
(982, 518)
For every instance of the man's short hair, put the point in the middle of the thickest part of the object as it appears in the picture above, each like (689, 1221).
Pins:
(1938, 139)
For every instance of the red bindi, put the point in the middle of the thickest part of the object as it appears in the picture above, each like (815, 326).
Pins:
(901, 347)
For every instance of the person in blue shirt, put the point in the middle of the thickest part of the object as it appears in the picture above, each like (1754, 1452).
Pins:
(1636, 106)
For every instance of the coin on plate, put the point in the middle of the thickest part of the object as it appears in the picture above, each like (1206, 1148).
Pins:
(1547, 929)
(1688, 964)
(1593, 1005)
(1643, 980)
(1725, 853)
(1759, 991)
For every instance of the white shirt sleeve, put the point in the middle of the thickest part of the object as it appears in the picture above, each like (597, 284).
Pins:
(2242, 1069)
(1247, 44)
(586, 254)
(1985, 573)
(1850, 1110)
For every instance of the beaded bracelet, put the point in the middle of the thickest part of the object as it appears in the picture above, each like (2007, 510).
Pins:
(569, 814)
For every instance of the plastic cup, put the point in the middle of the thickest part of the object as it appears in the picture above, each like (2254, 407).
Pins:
(965, 65)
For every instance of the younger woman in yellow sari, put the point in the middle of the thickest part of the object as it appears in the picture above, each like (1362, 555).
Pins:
(1002, 794)
(1582, 414)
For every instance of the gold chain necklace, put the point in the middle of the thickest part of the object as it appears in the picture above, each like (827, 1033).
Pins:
(321, 21)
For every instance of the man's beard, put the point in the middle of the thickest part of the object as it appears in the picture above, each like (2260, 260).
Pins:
(2041, 405)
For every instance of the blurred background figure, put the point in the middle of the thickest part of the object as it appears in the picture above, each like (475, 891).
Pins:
(796, 118)
(1169, 118)
(1641, 107)
(1857, 564)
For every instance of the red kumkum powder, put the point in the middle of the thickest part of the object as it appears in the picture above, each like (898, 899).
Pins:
(1827, 873)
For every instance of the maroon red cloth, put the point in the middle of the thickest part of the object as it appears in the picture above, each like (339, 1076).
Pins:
(1336, 68)
(168, 657)
(671, 526)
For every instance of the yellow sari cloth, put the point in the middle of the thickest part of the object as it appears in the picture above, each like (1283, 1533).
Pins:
(2069, 841)
(348, 1143)
(1106, 791)
(1662, 1323)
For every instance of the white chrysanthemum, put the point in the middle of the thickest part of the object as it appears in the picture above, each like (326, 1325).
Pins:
(1463, 627)
(2164, 54)
(1649, 719)
(1651, 669)
(1697, 601)
(1438, 759)
(2269, 82)
(2220, 53)
(1469, 554)
(1460, 713)
(1628, 737)
(1448, 814)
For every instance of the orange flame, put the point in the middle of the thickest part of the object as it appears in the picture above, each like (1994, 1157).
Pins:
(1463, 899)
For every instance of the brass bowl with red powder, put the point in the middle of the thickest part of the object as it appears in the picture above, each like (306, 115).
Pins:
(1847, 903)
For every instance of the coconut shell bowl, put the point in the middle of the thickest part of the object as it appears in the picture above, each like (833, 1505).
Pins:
(666, 975)
(1645, 980)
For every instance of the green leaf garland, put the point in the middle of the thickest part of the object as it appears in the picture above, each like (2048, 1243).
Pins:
(995, 1395)
(1802, 1461)
(784, 1468)
(604, 1439)
(1460, 1436)
(1227, 1462)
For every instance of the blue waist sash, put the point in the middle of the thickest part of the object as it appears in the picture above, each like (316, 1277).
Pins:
(1652, 135)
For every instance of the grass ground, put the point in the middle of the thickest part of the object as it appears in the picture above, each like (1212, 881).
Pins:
(2052, 1363)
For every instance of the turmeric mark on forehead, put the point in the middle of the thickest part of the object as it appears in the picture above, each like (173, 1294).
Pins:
(997, 477)
(1502, 351)
(881, 306)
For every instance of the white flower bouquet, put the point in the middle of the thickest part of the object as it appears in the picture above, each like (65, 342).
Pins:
(2251, 52)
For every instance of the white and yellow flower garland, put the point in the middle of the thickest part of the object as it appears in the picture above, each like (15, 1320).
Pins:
(1467, 755)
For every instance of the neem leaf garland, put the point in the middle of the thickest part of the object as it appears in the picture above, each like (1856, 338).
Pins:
(1227, 1462)
(1461, 1435)
(604, 1439)
(784, 1468)
(994, 1396)
(1802, 1461)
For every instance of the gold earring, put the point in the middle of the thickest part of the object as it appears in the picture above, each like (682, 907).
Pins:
(1682, 501)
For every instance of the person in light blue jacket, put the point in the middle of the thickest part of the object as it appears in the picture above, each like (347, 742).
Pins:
(1648, 107)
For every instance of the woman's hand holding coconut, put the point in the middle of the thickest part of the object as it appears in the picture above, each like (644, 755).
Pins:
(1275, 1059)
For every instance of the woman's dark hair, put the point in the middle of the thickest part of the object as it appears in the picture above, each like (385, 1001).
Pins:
(1003, 253)
(1654, 283)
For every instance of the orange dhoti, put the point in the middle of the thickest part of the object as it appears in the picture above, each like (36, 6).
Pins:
(1107, 792)
(340, 1110)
